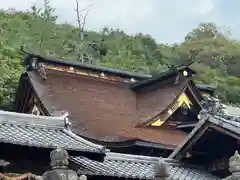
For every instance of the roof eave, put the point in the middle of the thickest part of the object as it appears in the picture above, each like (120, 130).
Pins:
(132, 142)
(19, 92)
(163, 76)
(70, 63)
(47, 132)
(228, 128)
(152, 80)
(205, 87)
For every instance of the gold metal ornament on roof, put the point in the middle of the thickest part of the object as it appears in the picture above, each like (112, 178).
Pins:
(199, 116)
(185, 73)
(132, 80)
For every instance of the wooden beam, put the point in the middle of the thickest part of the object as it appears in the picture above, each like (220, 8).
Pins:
(224, 131)
(194, 96)
(192, 141)
(26, 97)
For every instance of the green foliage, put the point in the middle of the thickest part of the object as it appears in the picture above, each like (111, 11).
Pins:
(216, 55)
(10, 71)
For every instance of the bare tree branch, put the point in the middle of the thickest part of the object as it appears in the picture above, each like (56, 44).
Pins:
(81, 19)
(86, 8)
(84, 20)
(78, 16)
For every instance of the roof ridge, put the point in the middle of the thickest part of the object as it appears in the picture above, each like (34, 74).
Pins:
(68, 62)
(89, 143)
(129, 157)
(30, 119)
(43, 132)
(144, 159)
(227, 113)
(227, 124)
(138, 170)
(220, 110)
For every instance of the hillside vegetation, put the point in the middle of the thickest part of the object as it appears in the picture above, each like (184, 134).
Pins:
(216, 54)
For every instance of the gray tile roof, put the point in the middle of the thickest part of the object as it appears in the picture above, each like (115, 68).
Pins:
(229, 124)
(232, 110)
(138, 167)
(231, 116)
(42, 131)
(223, 114)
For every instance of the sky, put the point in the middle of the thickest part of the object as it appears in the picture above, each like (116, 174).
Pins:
(168, 21)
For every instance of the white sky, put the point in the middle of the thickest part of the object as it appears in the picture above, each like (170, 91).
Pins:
(165, 20)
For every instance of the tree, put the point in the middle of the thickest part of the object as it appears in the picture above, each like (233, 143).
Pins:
(216, 54)
(205, 30)
(87, 51)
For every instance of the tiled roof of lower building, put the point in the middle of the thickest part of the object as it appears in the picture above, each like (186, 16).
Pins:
(223, 114)
(138, 167)
(3, 163)
(42, 131)
(214, 115)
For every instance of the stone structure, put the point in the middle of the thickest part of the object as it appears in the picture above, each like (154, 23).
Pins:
(162, 170)
(234, 167)
(59, 162)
